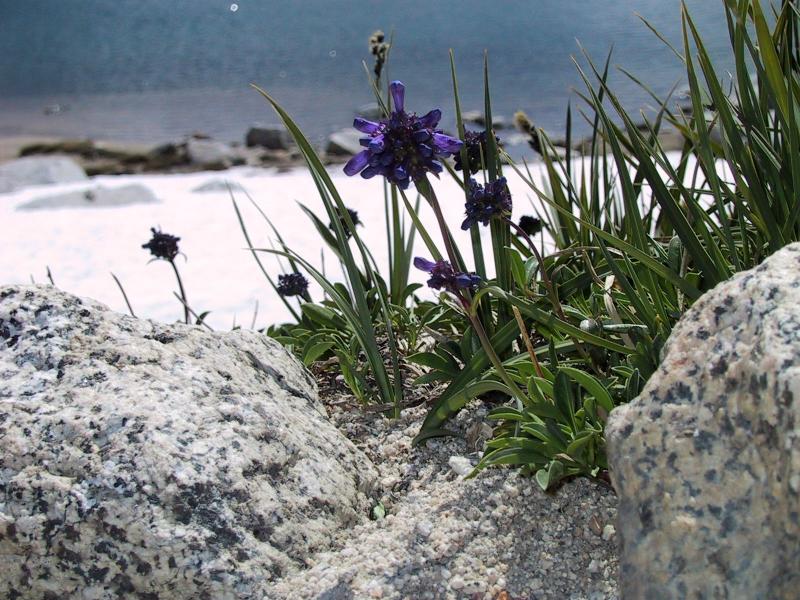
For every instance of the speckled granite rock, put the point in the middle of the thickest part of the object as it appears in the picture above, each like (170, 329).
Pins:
(142, 460)
(707, 460)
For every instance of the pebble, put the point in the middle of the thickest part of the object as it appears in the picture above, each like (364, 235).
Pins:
(424, 528)
(457, 582)
(461, 465)
(609, 531)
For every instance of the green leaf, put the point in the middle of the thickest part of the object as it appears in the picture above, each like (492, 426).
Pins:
(378, 511)
(322, 315)
(452, 399)
(592, 385)
(564, 398)
(316, 351)
(435, 361)
(550, 475)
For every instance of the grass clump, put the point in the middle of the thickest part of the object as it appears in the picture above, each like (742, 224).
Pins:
(573, 319)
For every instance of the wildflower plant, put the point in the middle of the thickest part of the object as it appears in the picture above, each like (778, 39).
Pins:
(634, 236)
(164, 246)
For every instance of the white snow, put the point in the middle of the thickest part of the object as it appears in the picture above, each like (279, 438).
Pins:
(81, 246)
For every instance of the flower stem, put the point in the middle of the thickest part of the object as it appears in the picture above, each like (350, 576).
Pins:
(424, 188)
(551, 290)
(548, 284)
(498, 366)
(183, 292)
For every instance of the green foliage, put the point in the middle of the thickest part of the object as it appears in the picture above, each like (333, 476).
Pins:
(634, 235)
(640, 235)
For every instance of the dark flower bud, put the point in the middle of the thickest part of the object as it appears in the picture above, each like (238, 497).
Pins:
(379, 49)
(293, 284)
(525, 125)
(162, 245)
(353, 217)
(475, 144)
(530, 225)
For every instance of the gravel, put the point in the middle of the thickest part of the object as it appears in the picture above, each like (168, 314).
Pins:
(497, 536)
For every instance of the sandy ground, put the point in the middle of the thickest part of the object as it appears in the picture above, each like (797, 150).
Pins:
(81, 246)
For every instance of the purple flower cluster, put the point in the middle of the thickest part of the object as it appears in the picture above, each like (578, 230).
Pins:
(162, 245)
(293, 284)
(444, 277)
(404, 147)
(475, 144)
(486, 202)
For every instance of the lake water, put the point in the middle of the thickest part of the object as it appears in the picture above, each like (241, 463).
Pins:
(153, 70)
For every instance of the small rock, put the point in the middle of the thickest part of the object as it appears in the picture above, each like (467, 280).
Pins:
(211, 153)
(478, 117)
(461, 465)
(166, 156)
(371, 111)
(218, 185)
(344, 143)
(273, 137)
(424, 528)
(595, 525)
(96, 197)
(477, 434)
(39, 170)
(457, 582)
(609, 531)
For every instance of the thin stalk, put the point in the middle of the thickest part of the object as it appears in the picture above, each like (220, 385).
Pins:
(184, 301)
(197, 317)
(548, 284)
(124, 295)
(551, 292)
(527, 339)
(498, 366)
(424, 188)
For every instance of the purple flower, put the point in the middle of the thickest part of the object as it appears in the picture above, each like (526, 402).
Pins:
(293, 284)
(162, 245)
(404, 147)
(443, 276)
(485, 203)
(475, 142)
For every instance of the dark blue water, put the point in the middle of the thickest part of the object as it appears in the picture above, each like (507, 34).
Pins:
(157, 69)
